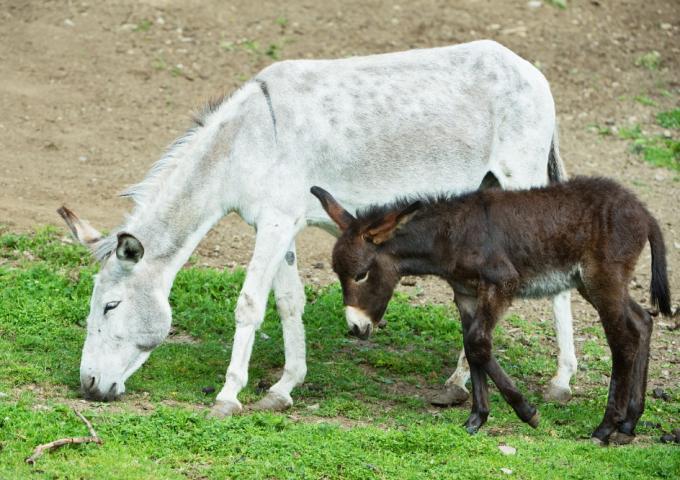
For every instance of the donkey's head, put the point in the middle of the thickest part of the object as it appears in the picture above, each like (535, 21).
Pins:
(367, 270)
(129, 311)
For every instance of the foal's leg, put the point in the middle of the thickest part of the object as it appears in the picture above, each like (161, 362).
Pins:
(636, 404)
(559, 390)
(623, 339)
(480, 390)
(290, 302)
(275, 232)
(491, 305)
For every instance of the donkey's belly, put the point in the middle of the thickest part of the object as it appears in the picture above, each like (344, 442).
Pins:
(550, 283)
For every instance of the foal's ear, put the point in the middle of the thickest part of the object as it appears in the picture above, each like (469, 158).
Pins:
(382, 230)
(129, 249)
(342, 218)
(81, 229)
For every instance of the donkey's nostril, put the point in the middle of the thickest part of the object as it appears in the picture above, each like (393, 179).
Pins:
(89, 382)
(355, 331)
(365, 334)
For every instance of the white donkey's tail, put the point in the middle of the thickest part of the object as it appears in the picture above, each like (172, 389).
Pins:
(556, 170)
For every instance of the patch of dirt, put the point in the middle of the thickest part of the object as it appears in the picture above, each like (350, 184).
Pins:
(91, 92)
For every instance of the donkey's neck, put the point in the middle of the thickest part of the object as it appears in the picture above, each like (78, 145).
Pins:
(415, 246)
(182, 197)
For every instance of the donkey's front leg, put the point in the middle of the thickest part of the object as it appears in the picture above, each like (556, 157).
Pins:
(290, 302)
(275, 232)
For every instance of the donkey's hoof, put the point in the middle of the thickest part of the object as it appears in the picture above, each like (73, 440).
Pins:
(557, 394)
(597, 441)
(225, 408)
(620, 438)
(272, 402)
(533, 421)
(451, 395)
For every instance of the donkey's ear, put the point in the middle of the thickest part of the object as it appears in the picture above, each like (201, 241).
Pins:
(339, 215)
(129, 249)
(382, 230)
(81, 229)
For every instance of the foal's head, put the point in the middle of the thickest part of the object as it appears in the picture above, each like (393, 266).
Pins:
(129, 311)
(368, 272)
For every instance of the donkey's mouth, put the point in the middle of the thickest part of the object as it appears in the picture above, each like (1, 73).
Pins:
(361, 334)
(95, 394)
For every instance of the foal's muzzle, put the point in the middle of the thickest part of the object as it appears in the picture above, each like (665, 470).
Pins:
(363, 335)
(359, 323)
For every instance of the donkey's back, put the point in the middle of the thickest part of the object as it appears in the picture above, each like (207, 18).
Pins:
(420, 121)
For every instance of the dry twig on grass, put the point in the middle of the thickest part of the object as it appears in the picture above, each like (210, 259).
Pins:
(40, 449)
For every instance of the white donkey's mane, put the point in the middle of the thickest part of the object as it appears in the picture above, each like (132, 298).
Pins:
(141, 193)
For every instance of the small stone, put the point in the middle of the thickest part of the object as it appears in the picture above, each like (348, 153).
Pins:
(313, 407)
(667, 438)
(666, 26)
(534, 4)
(409, 282)
(507, 449)
(69, 23)
(506, 471)
(660, 393)
(3, 395)
(208, 390)
(82, 158)
(319, 265)
(264, 336)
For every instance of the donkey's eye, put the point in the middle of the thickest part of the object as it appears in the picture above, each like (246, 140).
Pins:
(361, 277)
(111, 306)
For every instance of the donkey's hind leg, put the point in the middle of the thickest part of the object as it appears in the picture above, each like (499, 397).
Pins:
(558, 390)
(275, 233)
(290, 302)
(454, 392)
(636, 404)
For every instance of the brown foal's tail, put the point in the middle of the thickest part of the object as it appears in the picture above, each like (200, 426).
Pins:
(659, 290)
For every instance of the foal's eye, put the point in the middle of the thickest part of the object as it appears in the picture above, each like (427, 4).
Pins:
(111, 306)
(362, 277)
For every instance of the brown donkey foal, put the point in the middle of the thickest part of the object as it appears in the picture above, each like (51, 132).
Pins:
(493, 246)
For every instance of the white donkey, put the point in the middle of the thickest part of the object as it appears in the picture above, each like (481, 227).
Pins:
(368, 129)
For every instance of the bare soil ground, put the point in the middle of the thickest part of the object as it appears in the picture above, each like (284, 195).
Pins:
(91, 92)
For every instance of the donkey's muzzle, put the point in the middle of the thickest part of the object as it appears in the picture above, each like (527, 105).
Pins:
(361, 334)
(91, 389)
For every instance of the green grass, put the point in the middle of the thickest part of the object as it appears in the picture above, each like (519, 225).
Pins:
(650, 60)
(657, 150)
(358, 415)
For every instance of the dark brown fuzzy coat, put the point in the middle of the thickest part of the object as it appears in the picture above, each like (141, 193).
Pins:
(493, 246)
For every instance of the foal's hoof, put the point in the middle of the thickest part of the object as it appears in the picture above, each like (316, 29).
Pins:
(533, 421)
(474, 423)
(273, 401)
(225, 408)
(557, 394)
(620, 438)
(451, 395)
